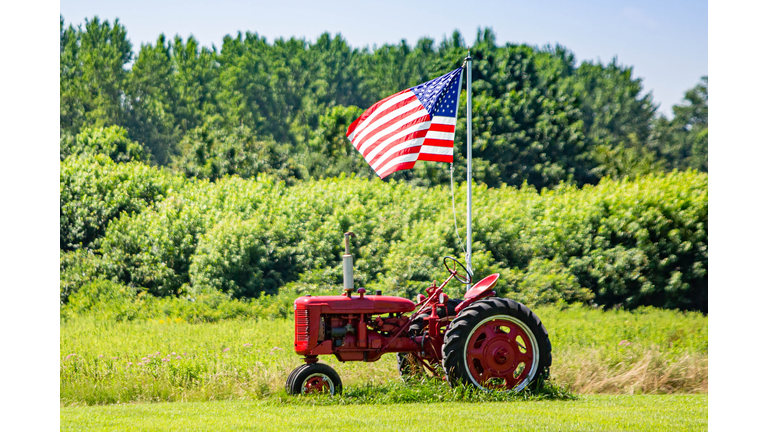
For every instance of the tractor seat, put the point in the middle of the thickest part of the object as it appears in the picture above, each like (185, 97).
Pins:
(486, 284)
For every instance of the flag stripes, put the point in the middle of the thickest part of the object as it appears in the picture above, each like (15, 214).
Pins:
(399, 130)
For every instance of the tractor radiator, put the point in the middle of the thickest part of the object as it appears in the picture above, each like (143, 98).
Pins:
(301, 317)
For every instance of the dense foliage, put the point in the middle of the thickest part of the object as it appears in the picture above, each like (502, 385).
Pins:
(282, 108)
(112, 141)
(254, 180)
(93, 190)
(628, 243)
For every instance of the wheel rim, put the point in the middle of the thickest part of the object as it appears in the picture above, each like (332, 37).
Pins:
(317, 383)
(501, 354)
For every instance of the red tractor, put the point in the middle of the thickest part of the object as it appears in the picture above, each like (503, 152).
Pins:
(493, 343)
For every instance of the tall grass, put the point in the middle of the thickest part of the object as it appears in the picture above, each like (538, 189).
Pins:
(103, 362)
(645, 351)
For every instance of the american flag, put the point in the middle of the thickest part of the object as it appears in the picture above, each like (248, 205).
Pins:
(415, 124)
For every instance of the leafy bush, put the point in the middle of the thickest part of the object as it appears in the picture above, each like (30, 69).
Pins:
(620, 243)
(93, 190)
(153, 249)
(213, 153)
(77, 268)
(246, 258)
(112, 141)
(103, 299)
(547, 281)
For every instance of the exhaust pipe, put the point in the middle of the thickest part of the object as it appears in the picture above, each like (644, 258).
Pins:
(349, 282)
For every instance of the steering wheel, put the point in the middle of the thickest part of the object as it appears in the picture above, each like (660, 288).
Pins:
(465, 280)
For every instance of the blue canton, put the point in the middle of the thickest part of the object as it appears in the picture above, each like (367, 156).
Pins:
(440, 95)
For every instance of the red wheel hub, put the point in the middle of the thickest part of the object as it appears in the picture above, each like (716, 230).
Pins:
(499, 354)
(316, 384)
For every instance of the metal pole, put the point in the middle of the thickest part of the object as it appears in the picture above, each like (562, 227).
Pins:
(469, 163)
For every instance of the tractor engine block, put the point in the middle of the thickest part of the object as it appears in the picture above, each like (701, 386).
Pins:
(351, 328)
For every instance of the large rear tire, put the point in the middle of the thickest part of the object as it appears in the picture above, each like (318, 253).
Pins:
(497, 344)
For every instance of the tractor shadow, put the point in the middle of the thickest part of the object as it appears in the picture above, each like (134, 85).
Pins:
(425, 390)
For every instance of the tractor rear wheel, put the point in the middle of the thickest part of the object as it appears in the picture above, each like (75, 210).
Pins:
(497, 344)
(313, 378)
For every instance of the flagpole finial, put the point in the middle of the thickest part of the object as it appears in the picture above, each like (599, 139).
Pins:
(468, 58)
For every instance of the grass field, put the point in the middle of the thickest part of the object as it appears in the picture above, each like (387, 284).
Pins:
(588, 413)
(647, 351)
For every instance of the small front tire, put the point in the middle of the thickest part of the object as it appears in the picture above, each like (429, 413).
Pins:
(313, 378)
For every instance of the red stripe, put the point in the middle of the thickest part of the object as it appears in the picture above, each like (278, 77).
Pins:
(442, 128)
(438, 142)
(373, 110)
(394, 120)
(352, 127)
(413, 122)
(398, 167)
(410, 136)
(403, 152)
(436, 158)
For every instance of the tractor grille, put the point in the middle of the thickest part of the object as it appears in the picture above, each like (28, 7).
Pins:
(302, 328)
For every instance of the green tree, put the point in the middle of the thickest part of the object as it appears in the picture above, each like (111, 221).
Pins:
(214, 153)
(329, 152)
(525, 129)
(152, 95)
(196, 83)
(253, 92)
(683, 141)
(93, 76)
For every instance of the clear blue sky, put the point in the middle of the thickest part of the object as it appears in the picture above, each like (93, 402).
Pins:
(665, 41)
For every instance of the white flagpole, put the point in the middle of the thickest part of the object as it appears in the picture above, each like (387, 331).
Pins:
(469, 163)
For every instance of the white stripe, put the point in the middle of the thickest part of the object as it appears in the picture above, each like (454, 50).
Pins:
(441, 135)
(444, 120)
(428, 149)
(383, 120)
(403, 145)
(394, 128)
(398, 160)
(384, 106)
(376, 150)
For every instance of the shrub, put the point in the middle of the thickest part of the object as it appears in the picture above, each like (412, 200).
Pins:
(76, 268)
(246, 258)
(545, 282)
(94, 190)
(620, 243)
(111, 141)
(103, 299)
(153, 249)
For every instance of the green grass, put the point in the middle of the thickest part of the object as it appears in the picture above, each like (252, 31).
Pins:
(107, 362)
(588, 413)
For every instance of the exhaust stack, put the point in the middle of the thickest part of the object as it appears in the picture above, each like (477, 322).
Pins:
(349, 282)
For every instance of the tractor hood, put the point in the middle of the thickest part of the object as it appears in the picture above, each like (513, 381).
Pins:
(369, 304)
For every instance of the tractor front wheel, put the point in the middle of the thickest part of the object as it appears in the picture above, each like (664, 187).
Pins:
(312, 379)
(497, 344)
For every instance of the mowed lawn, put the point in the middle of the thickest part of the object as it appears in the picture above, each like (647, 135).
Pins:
(588, 413)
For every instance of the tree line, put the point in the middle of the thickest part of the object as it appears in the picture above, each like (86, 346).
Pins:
(251, 107)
